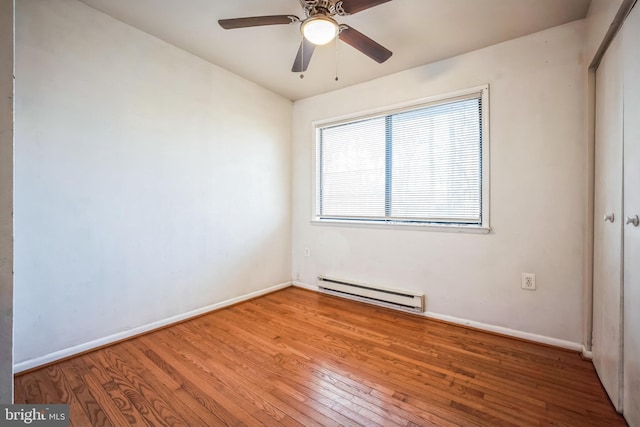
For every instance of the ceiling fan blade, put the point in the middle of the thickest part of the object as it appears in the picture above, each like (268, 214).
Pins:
(364, 44)
(256, 21)
(355, 6)
(300, 64)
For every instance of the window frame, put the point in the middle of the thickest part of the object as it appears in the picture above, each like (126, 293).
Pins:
(484, 227)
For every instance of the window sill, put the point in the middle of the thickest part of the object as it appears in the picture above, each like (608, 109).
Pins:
(447, 228)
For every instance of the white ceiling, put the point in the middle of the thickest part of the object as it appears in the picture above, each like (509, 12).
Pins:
(417, 31)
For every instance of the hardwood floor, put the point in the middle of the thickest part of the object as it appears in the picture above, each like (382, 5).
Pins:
(300, 358)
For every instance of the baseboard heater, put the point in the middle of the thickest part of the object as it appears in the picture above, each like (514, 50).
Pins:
(393, 298)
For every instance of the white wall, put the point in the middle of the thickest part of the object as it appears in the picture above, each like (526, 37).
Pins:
(599, 18)
(6, 201)
(148, 182)
(538, 192)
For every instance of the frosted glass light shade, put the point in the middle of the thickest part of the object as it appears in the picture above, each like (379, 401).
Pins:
(320, 30)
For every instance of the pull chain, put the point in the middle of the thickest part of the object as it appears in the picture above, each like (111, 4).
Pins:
(336, 50)
(302, 59)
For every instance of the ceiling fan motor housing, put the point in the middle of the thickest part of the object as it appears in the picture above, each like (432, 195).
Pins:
(323, 7)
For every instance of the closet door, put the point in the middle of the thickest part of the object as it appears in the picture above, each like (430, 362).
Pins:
(631, 388)
(607, 268)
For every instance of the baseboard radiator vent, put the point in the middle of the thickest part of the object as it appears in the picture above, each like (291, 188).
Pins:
(393, 298)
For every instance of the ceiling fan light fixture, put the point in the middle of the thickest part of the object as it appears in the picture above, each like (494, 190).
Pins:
(319, 30)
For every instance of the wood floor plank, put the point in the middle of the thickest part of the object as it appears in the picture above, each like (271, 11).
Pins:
(72, 371)
(172, 390)
(167, 391)
(307, 414)
(116, 394)
(18, 392)
(301, 358)
(222, 408)
(244, 383)
(29, 389)
(270, 365)
(404, 380)
(149, 405)
(66, 395)
(147, 401)
(230, 395)
(112, 408)
(48, 390)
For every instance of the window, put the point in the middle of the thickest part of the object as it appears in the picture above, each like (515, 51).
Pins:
(422, 165)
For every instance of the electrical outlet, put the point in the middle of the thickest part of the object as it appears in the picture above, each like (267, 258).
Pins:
(307, 252)
(529, 281)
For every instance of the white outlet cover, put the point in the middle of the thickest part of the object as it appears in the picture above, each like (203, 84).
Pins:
(528, 281)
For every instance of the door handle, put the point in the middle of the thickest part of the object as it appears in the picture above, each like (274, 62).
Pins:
(633, 220)
(611, 217)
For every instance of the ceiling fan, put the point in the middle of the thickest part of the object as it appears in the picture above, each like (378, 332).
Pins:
(319, 27)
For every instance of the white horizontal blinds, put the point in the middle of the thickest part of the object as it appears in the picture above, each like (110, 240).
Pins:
(435, 163)
(421, 165)
(351, 164)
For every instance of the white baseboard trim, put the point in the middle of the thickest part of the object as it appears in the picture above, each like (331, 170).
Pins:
(555, 342)
(542, 339)
(81, 348)
(587, 354)
(305, 286)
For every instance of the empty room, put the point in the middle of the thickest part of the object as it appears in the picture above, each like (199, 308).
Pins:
(319, 212)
